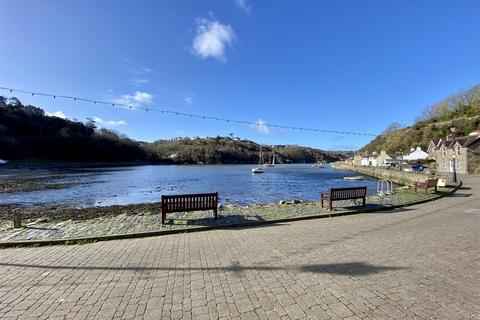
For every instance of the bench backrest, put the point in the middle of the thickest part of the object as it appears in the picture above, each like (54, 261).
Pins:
(431, 183)
(189, 202)
(348, 193)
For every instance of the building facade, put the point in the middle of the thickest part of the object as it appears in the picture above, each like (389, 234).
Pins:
(461, 154)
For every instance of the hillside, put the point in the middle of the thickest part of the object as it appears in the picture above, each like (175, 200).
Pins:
(27, 133)
(461, 111)
(233, 150)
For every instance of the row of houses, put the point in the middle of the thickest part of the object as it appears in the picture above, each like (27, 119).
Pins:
(383, 159)
(461, 154)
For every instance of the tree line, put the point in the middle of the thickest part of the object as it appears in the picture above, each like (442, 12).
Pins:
(461, 110)
(28, 133)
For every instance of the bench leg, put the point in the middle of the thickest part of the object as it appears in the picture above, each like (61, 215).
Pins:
(364, 201)
(215, 213)
(321, 199)
(330, 203)
(163, 218)
(415, 187)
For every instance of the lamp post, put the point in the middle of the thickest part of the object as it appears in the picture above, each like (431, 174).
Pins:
(454, 167)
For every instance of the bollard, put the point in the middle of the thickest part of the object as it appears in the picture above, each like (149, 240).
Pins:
(17, 219)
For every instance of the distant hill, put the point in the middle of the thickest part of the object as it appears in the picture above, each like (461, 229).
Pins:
(27, 133)
(233, 150)
(461, 111)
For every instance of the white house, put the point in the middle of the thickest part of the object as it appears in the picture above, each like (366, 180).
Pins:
(365, 160)
(382, 158)
(416, 154)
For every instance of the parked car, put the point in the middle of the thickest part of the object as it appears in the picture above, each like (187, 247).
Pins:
(418, 167)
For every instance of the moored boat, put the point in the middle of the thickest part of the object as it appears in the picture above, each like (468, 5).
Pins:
(353, 178)
(257, 170)
(270, 164)
(260, 160)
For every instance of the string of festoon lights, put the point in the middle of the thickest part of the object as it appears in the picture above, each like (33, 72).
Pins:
(181, 114)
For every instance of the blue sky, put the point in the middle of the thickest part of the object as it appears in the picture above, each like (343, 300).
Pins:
(339, 65)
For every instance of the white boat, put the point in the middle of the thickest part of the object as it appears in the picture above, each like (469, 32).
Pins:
(3, 161)
(270, 164)
(260, 160)
(318, 165)
(353, 178)
(257, 170)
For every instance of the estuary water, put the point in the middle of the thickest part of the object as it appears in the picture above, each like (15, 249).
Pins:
(88, 187)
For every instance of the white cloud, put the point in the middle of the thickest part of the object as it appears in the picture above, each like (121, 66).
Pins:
(138, 98)
(242, 4)
(261, 127)
(139, 81)
(139, 75)
(189, 99)
(212, 39)
(109, 123)
(58, 114)
(180, 132)
(344, 147)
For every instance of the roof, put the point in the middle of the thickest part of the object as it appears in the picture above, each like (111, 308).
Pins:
(436, 142)
(463, 141)
(417, 154)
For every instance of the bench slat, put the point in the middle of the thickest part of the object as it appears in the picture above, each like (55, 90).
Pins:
(344, 194)
(189, 202)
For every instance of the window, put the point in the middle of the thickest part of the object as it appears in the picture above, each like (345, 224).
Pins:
(457, 152)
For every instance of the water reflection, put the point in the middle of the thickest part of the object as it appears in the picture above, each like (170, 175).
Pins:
(235, 184)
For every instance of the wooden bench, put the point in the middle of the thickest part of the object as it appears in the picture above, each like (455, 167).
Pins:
(428, 183)
(343, 194)
(189, 202)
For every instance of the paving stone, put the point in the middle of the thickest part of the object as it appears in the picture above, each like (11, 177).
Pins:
(420, 262)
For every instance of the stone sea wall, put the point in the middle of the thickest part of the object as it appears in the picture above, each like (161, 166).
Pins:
(399, 177)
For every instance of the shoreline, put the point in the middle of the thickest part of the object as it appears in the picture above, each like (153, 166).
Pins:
(117, 222)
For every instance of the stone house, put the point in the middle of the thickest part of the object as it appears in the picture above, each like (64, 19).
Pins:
(370, 160)
(357, 159)
(463, 153)
(382, 158)
(433, 147)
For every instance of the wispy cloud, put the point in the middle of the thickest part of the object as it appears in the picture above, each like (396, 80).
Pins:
(109, 123)
(180, 132)
(344, 147)
(139, 75)
(189, 98)
(212, 39)
(138, 98)
(242, 4)
(261, 127)
(139, 81)
(58, 114)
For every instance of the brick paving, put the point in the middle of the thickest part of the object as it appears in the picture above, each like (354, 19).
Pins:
(125, 223)
(420, 262)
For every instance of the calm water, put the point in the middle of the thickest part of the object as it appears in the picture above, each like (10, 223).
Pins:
(234, 183)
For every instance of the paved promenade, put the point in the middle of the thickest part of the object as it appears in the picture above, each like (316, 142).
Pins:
(149, 218)
(419, 262)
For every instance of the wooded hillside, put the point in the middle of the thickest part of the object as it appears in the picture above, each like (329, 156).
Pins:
(27, 133)
(461, 111)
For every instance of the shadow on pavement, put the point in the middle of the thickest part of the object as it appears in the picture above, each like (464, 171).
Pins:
(460, 195)
(348, 268)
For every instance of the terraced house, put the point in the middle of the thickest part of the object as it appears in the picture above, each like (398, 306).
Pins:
(459, 153)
